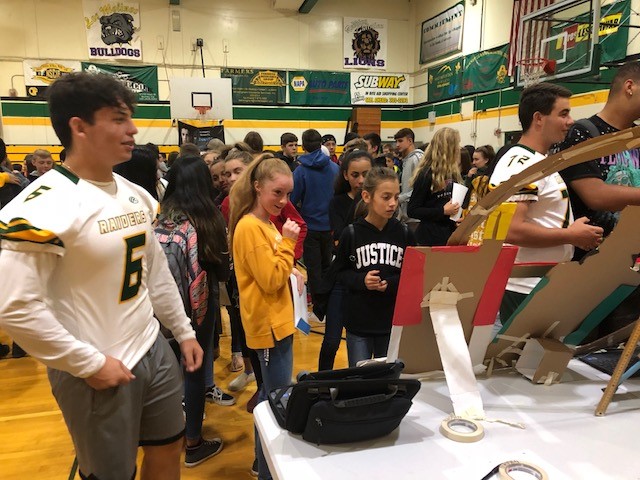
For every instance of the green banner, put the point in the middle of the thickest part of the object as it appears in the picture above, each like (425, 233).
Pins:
(445, 80)
(143, 81)
(307, 87)
(486, 70)
(251, 86)
(612, 38)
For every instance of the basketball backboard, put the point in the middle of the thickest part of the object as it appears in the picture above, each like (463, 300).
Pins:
(559, 37)
(201, 98)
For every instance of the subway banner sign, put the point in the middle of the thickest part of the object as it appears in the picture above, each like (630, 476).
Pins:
(379, 89)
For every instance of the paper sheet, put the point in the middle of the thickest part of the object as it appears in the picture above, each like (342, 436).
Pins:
(300, 311)
(457, 196)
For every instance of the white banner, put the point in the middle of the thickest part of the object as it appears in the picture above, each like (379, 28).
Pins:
(39, 74)
(442, 34)
(113, 30)
(365, 43)
(379, 89)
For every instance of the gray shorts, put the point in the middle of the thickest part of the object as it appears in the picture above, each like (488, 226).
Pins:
(107, 426)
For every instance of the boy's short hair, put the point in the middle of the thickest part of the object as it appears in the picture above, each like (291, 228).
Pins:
(374, 139)
(630, 70)
(405, 133)
(80, 95)
(539, 98)
(287, 137)
(311, 140)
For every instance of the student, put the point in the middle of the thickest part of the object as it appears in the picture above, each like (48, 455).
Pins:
(289, 150)
(354, 167)
(263, 261)
(373, 141)
(190, 219)
(432, 184)
(312, 192)
(477, 178)
(42, 161)
(542, 225)
(329, 141)
(411, 157)
(91, 283)
(369, 267)
(254, 140)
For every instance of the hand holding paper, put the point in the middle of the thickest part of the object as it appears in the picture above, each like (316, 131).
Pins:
(457, 196)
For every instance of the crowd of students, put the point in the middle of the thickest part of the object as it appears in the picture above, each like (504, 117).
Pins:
(240, 219)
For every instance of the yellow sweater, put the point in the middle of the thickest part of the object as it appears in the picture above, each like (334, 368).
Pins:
(263, 261)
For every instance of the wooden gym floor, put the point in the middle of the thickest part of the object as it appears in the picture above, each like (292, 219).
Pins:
(35, 443)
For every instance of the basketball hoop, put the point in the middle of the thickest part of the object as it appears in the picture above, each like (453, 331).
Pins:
(202, 111)
(532, 69)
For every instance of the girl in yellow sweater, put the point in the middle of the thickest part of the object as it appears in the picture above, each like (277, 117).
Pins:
(263, 261)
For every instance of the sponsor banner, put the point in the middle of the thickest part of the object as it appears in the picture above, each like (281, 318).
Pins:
(250, 86)
(442, 34)
(486, 70)
(445, 80)
(113, 29)
(379, 89)
(365, 43)
(200, 136)
(143, 81)
(319, 88)
(39, 74)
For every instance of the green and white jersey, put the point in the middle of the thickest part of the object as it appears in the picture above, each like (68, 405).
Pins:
(549, 207)
(109, 271)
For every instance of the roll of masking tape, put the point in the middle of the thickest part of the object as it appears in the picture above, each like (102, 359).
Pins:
(505, 469)
(450, 428)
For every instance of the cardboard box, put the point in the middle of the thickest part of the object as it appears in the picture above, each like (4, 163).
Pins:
(544, 360)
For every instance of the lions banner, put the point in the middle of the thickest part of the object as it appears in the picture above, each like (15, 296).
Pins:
(308, 87)
(113, 30)
(39, 74)
(365, 43)
(445, 80)
(486, 70)
(143, 81)
(250, 86)
(379, 89)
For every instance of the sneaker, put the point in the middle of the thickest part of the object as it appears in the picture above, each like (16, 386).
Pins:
(199, 453)
(17, 351)
(4, 350)
(216, 395)
(254, 468)
(237, 363)
(242, 381)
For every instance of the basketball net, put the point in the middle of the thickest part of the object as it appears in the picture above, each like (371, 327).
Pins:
(202, 112)
(532, 69)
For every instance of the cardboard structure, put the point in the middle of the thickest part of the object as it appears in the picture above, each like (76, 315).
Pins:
(566, 296)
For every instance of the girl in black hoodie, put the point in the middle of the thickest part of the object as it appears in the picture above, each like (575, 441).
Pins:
(369, 259)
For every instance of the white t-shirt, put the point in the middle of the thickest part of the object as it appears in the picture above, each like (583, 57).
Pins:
(97, 268)
(549, 207)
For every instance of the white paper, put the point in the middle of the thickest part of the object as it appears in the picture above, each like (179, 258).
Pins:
(457, 196)
(300, 311)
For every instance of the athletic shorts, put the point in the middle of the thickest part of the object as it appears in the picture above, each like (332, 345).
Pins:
(107, 426)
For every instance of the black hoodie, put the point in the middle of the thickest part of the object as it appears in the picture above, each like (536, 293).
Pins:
(370, 312)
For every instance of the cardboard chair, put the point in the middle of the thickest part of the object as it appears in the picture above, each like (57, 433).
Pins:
(472, 269)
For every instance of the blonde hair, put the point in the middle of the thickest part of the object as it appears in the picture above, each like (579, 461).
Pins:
(242, 196)
(442, 156)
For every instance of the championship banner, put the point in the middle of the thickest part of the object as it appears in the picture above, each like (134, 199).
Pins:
(39, 74)
(113, 29)
(486, 70)
(143, 81)
(445, 80)
(253, 87)
(365, 43)
(442, 34)
(319, 88)
(379, 89)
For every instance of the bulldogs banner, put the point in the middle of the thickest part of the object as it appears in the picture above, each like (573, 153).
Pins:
(379, 89)
(365, 43)
(39, 74)
(113, 30)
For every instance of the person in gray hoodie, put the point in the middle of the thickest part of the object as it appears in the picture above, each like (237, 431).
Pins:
(411, 157)
(312, 191)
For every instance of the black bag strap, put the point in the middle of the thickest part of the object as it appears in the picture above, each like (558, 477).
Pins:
(589, 126)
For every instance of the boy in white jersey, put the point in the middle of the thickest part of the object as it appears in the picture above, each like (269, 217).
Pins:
(542, 225)
(92, 275)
